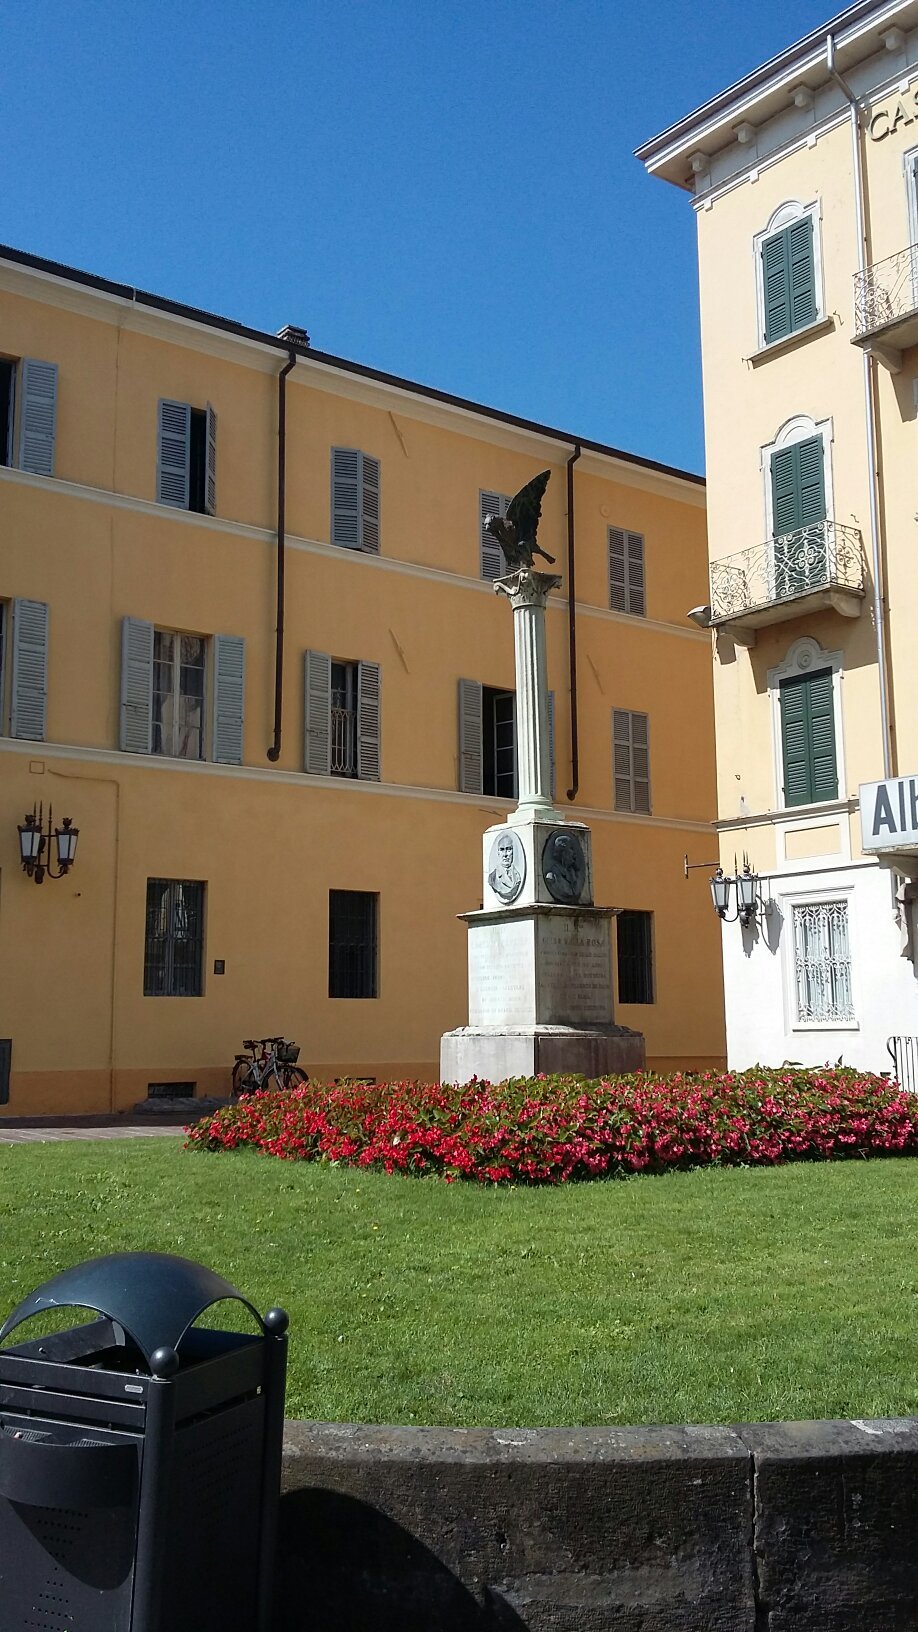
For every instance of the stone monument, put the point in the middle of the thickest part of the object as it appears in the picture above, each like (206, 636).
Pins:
(540, 952)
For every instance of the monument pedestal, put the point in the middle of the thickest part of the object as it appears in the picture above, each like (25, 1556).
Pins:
(494, 1053)
(540, 998)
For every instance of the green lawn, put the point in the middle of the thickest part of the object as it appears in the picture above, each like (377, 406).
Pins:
(712, 1296)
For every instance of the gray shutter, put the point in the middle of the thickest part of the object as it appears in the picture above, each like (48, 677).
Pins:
(369, 485)
(491, 555)
(173, 454)
(229, 698)
(37, 416)
(634, 547)
(553, 777)
(368, 722)
(210, 469)
(618, 574)
(345, 498)
(136, 730)
(29, 674)
(317, 745)
(640, 761)
(471, 752)
(626, 572)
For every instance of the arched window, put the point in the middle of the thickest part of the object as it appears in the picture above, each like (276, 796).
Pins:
(789, 272)
(806, 699)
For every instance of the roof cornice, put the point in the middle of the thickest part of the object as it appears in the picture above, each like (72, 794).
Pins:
(187, 318)
(857, 33)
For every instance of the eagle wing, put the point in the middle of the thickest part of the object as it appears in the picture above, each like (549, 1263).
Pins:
(524, 511)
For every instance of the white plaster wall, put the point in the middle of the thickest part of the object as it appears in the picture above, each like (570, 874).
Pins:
(759, 977)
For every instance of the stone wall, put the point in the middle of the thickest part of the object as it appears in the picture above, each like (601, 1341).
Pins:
(773, 1527)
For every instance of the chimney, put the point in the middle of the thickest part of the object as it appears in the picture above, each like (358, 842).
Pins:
(293, 335)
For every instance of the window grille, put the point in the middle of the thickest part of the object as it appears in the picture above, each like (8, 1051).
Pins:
(344, 719)
(822, 963)
(634, 936)
(631, 760)
(353, 933)
(173, 963)
(178, 694)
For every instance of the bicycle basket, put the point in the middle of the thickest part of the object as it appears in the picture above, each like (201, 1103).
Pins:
(288, 1053)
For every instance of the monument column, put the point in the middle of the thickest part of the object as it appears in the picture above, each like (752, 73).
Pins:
(527, 592)
(540, 950)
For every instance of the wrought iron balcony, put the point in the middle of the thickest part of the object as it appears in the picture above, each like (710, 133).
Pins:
(886, 306)
(821, 565)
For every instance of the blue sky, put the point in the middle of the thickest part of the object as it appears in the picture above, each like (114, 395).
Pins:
(443, 190)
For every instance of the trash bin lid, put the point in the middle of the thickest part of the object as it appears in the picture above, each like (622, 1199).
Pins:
(154, 1296)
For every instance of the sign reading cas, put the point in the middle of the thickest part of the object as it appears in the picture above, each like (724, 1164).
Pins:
(889, 814)
(904, 111)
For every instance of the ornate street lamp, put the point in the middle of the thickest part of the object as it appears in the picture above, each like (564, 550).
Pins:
(35, 844)
(720, 892)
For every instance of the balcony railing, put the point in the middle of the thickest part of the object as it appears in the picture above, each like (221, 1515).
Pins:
(886, 300)
(760, 585)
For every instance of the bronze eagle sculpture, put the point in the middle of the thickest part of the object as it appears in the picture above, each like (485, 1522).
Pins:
(516, 531)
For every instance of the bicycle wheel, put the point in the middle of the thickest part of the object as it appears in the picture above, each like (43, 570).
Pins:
(294, 1076)
(244, 1078)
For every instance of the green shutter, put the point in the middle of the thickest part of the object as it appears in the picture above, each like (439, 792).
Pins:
(776, 285)
(797, 486)
(802, 273)
(812, 483)
(789, 280)
(808, 738)
(822, 736)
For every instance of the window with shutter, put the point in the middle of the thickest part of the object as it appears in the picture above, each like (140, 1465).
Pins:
(798, 512)
(29, 670)
(37, 416)
(491, 556)
(368, 767)
(626, 572)
(355, 500)
(487, 740)
(631, 760)
(136, 725)
(342, 714)
(471, 761)
(789, 280)
(229, 699)
(808, 738)
(163, 693)
(186, 462)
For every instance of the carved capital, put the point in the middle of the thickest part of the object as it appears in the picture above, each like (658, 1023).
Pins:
(525, 587)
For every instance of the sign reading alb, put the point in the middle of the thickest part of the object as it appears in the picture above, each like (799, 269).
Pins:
(889, 814)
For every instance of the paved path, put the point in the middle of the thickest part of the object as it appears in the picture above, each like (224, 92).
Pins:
(51, 1135)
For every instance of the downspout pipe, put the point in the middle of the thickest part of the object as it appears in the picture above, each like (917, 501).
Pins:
(572, 625)
(879, 612)
(275, 748)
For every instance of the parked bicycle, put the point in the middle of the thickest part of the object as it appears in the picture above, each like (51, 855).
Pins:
(269, 1063)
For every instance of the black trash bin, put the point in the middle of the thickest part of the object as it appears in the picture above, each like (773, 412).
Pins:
(139, 1456)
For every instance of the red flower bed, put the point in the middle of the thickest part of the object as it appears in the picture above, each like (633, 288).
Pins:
(548, 1130)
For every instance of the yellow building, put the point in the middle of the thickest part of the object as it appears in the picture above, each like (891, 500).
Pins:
(254, 857)
(804, 178)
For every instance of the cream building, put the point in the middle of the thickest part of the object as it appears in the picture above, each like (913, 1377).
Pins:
(277, 832)
(804, 181)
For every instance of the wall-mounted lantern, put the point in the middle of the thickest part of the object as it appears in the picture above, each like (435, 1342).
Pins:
(750, 903)
(35, 845)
